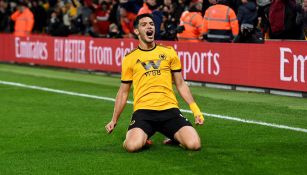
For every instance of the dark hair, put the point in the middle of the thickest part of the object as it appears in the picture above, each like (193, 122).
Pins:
(224, 2)
(139, 17)
(21, 3)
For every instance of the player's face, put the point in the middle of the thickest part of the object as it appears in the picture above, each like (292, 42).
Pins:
(146, 30)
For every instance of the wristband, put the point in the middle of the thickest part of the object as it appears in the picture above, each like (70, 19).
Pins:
(196, 111)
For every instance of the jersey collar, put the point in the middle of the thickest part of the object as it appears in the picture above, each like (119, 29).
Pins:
(149, 49)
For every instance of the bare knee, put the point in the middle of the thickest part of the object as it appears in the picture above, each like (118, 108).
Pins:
(132, 146)
(193, 145)
(135, 140)
(188, 138)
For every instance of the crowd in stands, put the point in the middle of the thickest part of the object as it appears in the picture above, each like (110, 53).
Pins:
(183, 20)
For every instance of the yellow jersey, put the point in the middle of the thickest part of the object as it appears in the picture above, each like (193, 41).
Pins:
(150, 71)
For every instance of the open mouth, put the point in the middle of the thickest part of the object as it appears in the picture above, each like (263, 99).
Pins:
(149, 33)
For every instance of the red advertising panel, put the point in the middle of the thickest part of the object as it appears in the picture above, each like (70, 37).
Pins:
(280, 65)
(275, 64)
(3, 46)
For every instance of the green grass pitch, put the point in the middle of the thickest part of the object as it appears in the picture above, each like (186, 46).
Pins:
(56, 134)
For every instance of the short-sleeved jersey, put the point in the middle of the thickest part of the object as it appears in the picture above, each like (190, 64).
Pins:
(150, 71)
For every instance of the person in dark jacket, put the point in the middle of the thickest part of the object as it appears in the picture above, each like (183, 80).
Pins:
(263, 14)
(5, 14)
(40, 16)
(248, 20)
(247, 13)
(56, 26)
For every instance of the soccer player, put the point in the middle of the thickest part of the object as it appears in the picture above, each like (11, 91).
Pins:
(152, 68)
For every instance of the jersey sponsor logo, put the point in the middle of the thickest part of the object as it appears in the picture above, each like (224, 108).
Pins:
(153, 73)
(152, 64)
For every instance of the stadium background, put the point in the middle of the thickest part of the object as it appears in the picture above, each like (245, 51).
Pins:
(52, 118)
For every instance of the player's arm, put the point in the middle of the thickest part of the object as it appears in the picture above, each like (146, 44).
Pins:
(120, 103)
(186, 94)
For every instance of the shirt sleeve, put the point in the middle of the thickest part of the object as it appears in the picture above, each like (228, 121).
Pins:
(127, 72)
(175, 61)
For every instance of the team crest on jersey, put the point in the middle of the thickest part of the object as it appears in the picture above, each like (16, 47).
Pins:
(162, 56)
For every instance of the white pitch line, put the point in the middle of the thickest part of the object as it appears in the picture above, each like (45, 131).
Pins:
(130, 102)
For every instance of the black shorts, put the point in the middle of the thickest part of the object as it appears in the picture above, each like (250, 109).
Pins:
(167, 122)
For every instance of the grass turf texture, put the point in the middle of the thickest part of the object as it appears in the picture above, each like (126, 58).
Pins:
(49, 133)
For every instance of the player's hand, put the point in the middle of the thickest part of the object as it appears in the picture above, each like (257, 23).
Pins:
(110, 126)
(198, 115)
(199, 120)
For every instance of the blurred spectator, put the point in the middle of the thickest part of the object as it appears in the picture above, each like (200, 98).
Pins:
(114, 31)
(79, 14)
(220, 23)
(174, 9)
(151, 6)
(171, 18)
(12, 6)
(263, 14)
(248, 20)
(71, 7)
(66, 17)
(192, 21)
(23, 18)
(148, 7)
(40, 16)
(126, 21)
(56, 26)
(247, 13)
(86, 12)
(282, 18)
(100, 20)
(72, 17)
(115, 13)
(168, 9)
(4, 17)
